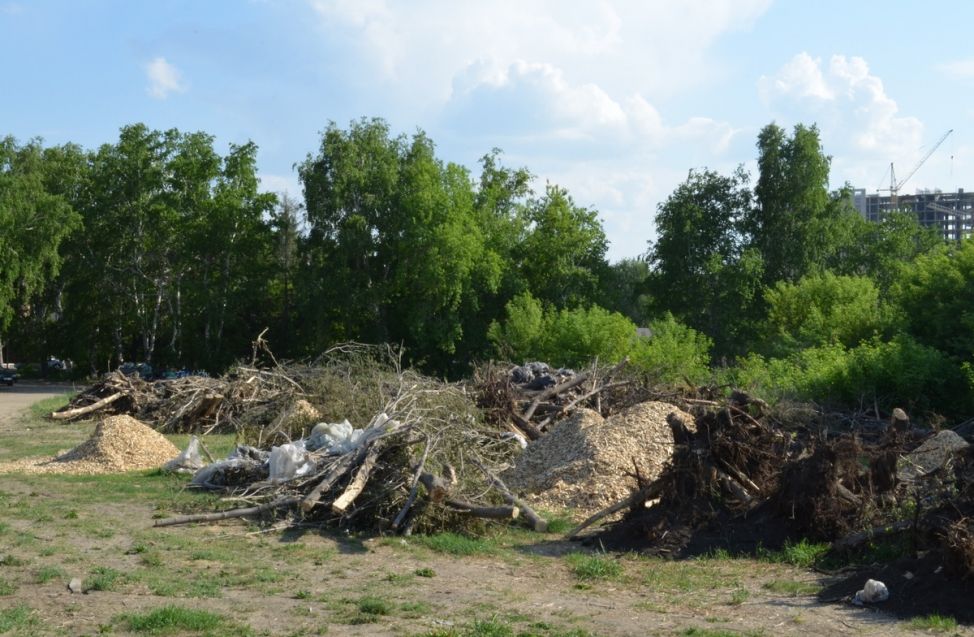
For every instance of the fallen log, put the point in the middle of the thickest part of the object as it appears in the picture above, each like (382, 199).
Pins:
(337, 470)
(650, 492)
(279, 503)
(68, 414)
(538, 523)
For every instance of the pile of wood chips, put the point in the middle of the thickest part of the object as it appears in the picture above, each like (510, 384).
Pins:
(119, 444)
(586, 462)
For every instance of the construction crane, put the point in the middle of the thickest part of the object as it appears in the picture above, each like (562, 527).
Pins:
(894, 186)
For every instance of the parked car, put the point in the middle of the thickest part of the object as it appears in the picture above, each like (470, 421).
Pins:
(8, 377)
(144, 370)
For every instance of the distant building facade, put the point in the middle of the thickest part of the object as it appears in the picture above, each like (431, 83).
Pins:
(951, 213)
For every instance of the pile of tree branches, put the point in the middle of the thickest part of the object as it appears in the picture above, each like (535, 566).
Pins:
(428, 462)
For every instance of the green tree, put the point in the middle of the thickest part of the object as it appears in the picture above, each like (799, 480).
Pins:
(795, 225)
(562, 255)
(702, 270)
(936, 294)
(35, 219)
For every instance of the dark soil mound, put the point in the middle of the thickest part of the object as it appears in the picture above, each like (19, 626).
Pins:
(917, 587)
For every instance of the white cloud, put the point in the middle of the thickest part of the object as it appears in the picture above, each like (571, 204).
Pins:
(164, 79)
(850, 99)
(958, 69)
(800, 77)
(650, 46)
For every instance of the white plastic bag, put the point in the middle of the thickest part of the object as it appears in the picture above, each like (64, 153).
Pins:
(189, 461)
(874, 591)
(288, 462)
(335, 438)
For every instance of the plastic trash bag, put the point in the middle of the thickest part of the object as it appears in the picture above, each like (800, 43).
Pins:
(189, 461)
(229, 472)
(288, 462)
(874, 591)
(334, 438)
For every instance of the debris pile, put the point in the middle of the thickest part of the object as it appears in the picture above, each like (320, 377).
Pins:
(425, 459)
(119, 444)
(584, 463)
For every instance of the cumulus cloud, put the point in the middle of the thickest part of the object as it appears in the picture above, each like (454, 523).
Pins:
(164, 79)
(426, 43)
(851, 98)
(535, 102)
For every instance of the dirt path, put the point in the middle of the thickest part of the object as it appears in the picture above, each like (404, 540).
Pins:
(14, 400)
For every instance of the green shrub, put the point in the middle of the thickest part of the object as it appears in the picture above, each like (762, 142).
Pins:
(674, 353)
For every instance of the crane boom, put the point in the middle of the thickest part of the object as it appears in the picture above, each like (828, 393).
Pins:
(894, 186)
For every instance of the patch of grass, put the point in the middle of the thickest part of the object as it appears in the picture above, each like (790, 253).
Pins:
(791, 588)
(302, 594)
(719, 632)
(803, 554)
(103, 578)
(413, 610)
(17, 618)
(594, 567)
(685, 576)
(559, 524)
(42, 408)
(739, 596)
(48, 573)
(11, 560)
(425, 572)
(934, 623)
(7, 588)
(371, 605)
(497, 627)
(176, 619)
(456, 544)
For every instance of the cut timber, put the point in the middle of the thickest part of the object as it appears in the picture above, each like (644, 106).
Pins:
(538, 523)
(336, 471)
(650, 492)
(438, 490)
(81, 411)
(354, 488)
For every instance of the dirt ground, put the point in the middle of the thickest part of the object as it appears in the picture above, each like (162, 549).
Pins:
(304, 582)
(14, 400)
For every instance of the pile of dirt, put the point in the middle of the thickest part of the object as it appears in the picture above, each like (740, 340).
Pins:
(119, 444)
(586, 463)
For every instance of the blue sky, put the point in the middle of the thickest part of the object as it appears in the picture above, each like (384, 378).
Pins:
(613, 100)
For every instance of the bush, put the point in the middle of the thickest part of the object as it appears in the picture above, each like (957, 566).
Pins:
(897, 373)
(825, 309)
(674, 354)
(567, 338)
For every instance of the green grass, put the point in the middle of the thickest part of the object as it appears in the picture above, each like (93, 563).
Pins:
(425, 572)
(791, 588)
(739, 596)
(48, 573)
(103, 578)
(17, 618)
(719, 632)
(803, 554)
(456, 544)
(42, 408)
(371, 605)
(934, 623)
(498, 627)
(588, 567)
(176, 619)
(7, 588)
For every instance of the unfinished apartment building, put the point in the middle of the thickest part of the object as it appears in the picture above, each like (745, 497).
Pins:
(951, 213)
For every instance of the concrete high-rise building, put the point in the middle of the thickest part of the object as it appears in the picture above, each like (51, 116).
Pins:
(951, 213)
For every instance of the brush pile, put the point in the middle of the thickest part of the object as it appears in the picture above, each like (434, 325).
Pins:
(394, 451)
(741, 481)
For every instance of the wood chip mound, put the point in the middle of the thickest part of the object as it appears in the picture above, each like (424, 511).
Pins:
(581, 464)
(119, 444)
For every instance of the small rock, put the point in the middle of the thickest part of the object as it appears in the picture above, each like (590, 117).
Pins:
(75, 585)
